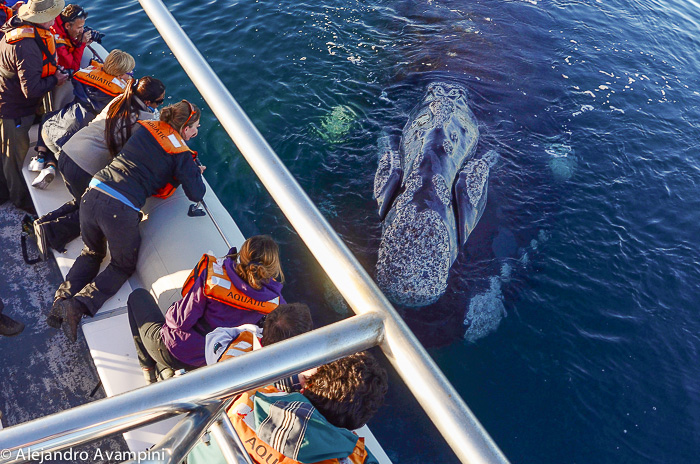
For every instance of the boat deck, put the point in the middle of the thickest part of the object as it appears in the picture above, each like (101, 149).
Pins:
(41, 371)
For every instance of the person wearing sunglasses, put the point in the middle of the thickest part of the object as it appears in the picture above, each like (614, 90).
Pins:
(93, 88)
(155, 155)
(71, 37)
(90, 150)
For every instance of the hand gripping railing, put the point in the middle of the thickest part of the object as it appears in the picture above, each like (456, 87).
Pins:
(376, 323)
(433, 391)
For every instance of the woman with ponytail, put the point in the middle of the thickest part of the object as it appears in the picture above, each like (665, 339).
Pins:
(93, 88)
(90, 150)
(155, 155)
(238, 289)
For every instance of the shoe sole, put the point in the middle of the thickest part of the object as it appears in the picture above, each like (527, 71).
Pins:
(41, 240)
(73, 337)
(54, 322)
(44, 182)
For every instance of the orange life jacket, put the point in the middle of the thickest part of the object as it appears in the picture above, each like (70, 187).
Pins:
(171, 142)
(27, 31)
(242, 344)
(219, 287)
(94, 76)
(261, 452)
(65, 42)
(166, 136)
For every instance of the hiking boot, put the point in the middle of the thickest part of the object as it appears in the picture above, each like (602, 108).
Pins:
(41, 242)
(9, 327)
(54, 318)
(72, 311)
(44, 178)
(36, 164)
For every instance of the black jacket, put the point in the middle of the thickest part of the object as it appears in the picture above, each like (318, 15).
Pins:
(143, 167)
(21, 84)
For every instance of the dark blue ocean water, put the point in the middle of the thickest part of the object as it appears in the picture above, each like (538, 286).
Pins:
(589, 241)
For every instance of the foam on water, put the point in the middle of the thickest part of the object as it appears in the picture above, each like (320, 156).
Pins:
(486, 309)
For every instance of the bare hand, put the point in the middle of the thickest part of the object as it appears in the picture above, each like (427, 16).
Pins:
(87, 37)
(62, 77)
(202, 168)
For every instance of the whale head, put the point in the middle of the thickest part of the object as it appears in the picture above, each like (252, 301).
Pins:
(414, 257)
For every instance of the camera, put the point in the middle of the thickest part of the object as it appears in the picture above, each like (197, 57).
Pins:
(97, 36)
(70, 72)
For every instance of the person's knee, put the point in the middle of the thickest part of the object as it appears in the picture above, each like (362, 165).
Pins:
(137, 298)
(90, 253)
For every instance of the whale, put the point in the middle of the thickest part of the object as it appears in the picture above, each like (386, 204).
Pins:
(431, 191)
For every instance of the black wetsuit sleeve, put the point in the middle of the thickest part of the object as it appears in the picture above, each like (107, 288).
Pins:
(188, 174)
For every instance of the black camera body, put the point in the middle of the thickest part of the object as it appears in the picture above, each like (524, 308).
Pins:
(70, 72)
(96, 36)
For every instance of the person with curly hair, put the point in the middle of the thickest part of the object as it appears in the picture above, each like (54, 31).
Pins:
(314, 425)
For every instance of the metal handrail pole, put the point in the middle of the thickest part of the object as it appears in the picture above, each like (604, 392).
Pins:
(230, 443)
(441, 402)
(173, 448)
(216, 224)
(205, 386)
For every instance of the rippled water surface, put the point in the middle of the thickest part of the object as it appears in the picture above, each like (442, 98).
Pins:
(589, 241)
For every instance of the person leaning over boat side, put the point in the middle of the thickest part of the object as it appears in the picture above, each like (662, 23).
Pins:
(155, 155)
(235, 290)
(91, 149)
(71, 36)
(286, 321)
(341, 396)
(93, 88)
(27, 72)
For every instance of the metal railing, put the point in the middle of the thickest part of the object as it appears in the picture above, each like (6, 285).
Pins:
(376, 323)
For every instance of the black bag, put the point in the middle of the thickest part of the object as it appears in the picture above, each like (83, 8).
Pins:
(28, 231)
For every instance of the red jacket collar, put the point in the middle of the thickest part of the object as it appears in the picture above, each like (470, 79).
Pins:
(59, 28)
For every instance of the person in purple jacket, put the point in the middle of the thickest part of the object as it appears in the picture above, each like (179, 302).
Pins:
(238, 289)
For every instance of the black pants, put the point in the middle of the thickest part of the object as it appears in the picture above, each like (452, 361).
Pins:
(146, 321)
(14, 143)
(104, 221)
(76, 178)
(63, 225)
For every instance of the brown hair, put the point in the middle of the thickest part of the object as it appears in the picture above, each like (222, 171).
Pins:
(349, 391)
(70, 13)
(258, 261)
(180, 114)
(286, 321)
(119, 116)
